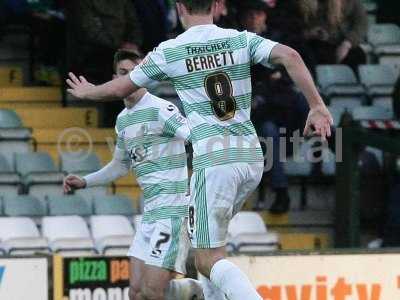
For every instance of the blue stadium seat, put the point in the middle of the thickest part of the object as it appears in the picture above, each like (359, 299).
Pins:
(381, 35)
(10, 181)
(14, 137)
(113, 205)
(39, 174)
(372, 113)
(68, 205)
(378, 79)
(23, 206)
(72, 164)
(338, 80)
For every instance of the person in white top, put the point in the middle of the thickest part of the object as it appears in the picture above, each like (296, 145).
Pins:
(151, 141)
(210, 69)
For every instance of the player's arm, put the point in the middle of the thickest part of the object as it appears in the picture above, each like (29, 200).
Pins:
(118, 167)
(154, 68)
(116, 89)
(319, 118)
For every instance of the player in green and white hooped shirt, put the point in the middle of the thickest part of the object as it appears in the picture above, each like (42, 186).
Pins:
(151, 135)
(210, 69)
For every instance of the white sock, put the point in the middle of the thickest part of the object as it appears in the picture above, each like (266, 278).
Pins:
(210, 291)
(232, 281)
(184, 289)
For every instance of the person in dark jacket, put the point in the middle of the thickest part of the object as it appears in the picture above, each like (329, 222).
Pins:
(334, 30)
(276, 107)
(96, 29)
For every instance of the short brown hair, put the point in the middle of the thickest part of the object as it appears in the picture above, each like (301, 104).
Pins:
(197, 6)
(123, 54)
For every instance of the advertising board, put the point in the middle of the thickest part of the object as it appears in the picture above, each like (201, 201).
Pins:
(324, 277)
(91, 278)
(24, 278)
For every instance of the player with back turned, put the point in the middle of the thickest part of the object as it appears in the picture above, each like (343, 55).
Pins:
(210, 69)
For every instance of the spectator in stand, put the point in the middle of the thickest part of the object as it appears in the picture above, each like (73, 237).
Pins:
(276, 105)
(153, 18)
(334, 30)
(95, 30)
(286, 23)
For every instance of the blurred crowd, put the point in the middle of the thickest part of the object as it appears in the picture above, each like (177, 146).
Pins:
(322, 31)
(82, 36)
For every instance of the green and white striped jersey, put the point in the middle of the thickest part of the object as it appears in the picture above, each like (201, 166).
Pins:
(210, 69)
(151, 139)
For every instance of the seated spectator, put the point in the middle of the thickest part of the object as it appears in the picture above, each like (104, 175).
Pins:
(286, 25)
(276, 105)
(334, 30)
(95, 30)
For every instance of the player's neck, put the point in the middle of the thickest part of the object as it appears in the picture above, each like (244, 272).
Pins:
(196, 20)
(134, 99)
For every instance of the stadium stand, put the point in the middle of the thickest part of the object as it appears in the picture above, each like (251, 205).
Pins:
(10, 181)
(247, 233)
(346, 103)
(23, 206)
(113, 205)
(68, 235)
(68, 205)
(88, 194)
(34, 119)
(385, 38)
(338, 81)
(113, 235)
(58, 117)
(72, 164)
(11, 76)
(379, 81)
(87, 140)
(39, 174)
(20, 236)
(372, 113)
(14, 138)
(30, 97)
(300, 165)
(385, 41)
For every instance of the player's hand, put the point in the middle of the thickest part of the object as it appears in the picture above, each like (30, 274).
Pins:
(73, 182)
(319, 122)
(78, 86)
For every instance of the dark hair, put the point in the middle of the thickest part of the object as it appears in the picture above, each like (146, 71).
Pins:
(123, 54)
(197, 6)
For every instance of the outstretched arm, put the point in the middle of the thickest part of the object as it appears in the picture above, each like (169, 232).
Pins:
(116, 89)
(319, 119)
(119, 166)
